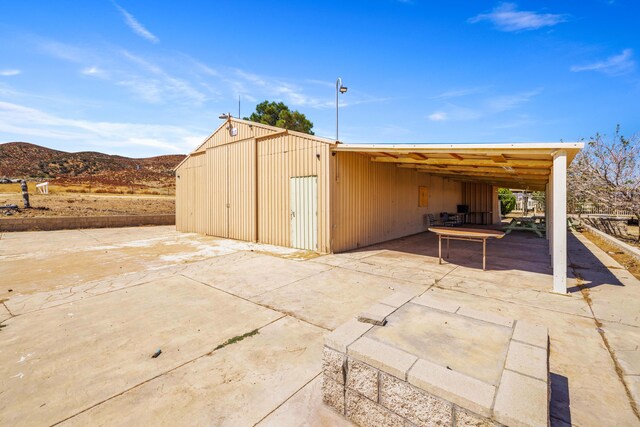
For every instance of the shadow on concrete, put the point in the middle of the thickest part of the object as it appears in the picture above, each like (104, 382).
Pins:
(560, 405)
(517, 251)
(587, 267)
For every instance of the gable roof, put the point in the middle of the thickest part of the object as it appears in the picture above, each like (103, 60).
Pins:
(273, 129)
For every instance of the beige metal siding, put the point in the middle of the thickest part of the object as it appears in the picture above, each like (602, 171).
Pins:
(375, 202)
(190, 195)
(216, 212)
(244, 184)
(245, 131)
(242, 190)
(280, 158)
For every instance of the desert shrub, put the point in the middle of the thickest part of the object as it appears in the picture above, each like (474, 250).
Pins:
(507, 200)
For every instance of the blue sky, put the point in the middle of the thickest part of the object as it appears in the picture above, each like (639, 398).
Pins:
(147, 78)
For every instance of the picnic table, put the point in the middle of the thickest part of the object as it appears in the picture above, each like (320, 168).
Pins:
(467, 234)
(535, 224)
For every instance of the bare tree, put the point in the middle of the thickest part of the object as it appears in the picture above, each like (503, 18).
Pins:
(607, 173)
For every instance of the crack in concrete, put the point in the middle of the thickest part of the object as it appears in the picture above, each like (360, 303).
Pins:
(619, 371)
(286, 313)
(289, 398)
(207, 354)
(8, 311)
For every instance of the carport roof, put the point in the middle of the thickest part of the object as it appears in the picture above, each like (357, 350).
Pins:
(524, 165)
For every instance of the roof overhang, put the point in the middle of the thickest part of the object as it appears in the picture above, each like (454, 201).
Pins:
(523, 165)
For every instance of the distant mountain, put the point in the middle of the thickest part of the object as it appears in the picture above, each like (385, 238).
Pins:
(26, 160)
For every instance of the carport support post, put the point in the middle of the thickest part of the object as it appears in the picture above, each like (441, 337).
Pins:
(559, 224)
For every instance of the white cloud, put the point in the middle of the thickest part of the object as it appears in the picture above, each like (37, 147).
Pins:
(12, 72)
(506, 17)
(64, 51)
(136, 26)
(94, 71)
(438, 116)
(457, 93)
(615, 65)
(484, 107)
(26, 122)
(158, 86)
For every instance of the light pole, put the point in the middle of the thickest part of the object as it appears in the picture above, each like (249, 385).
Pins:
(339, 89)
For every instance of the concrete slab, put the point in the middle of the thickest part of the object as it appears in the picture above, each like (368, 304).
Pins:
(33, 301)
(58, 362)
(625, 342)
(585, 387)
(237, 385)
(86, 258)
(305, 408)
(520, 292)
(78, 271)
(473, 347)
(331, 297)
(252, 276)
(386, 264)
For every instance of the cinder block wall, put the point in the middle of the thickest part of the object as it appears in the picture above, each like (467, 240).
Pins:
(72, 222)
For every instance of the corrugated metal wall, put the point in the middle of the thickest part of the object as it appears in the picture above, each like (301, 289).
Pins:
(231, 196)
(237, 182)
(480, 199)
(374, 202)
(242, 190)
(280, 158)
(191, 195)
(245, 131)
(216, 213)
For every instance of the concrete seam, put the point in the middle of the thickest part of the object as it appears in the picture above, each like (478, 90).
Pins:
(447, 273)
(289, 398)
(291, 283)
(345, 267)
(91, 296)
(511, 302)
(9, 311)
(152, 378)
(256, 303)
(504, 367)
(523, 374)
(605, 341)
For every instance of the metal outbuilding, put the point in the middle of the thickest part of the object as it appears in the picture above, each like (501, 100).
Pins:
(255, 182)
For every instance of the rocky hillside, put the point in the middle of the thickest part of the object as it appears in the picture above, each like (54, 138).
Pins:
(25, 160)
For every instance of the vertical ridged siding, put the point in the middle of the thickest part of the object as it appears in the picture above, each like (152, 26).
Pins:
(374, 202)
(242, 190)
(280, 158)
(191, 195)
(480, 198)
(216, 212)
(245, 131)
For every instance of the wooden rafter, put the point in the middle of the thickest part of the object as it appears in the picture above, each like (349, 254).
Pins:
(389, 155)
(417, 156)
(486, 169)
(514, 163)
(456, 156)
(499, 158)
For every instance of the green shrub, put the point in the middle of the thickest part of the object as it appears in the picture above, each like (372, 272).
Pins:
(507, 200)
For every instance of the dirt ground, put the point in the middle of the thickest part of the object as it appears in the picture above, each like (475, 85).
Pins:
(70, 204)
(630, 263)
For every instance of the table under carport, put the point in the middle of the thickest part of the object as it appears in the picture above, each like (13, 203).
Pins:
(529, 166)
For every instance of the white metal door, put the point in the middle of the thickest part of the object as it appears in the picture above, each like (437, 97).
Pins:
(304, 212)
